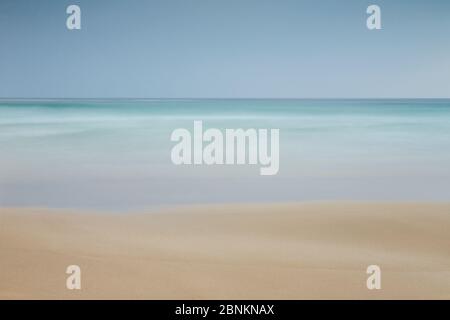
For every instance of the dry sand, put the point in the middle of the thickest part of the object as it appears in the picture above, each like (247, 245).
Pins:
(279, 251)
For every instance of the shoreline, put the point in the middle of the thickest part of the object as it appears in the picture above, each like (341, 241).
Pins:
(317, 250)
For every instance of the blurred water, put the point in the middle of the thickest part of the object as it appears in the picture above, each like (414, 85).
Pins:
(116, 154)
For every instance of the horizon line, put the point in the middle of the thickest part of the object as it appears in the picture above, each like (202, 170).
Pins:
(222, 98)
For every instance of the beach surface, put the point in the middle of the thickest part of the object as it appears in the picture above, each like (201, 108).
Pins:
(271, 251)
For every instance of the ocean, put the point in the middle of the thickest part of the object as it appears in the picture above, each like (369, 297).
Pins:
(115, 154)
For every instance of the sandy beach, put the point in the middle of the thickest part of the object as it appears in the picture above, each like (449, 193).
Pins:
(277, 251)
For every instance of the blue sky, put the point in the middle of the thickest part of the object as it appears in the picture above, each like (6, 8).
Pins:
(225, 48)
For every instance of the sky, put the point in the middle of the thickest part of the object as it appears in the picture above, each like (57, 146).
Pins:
(225, 49)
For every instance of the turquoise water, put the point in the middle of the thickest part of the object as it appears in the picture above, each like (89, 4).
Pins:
(116, 154)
